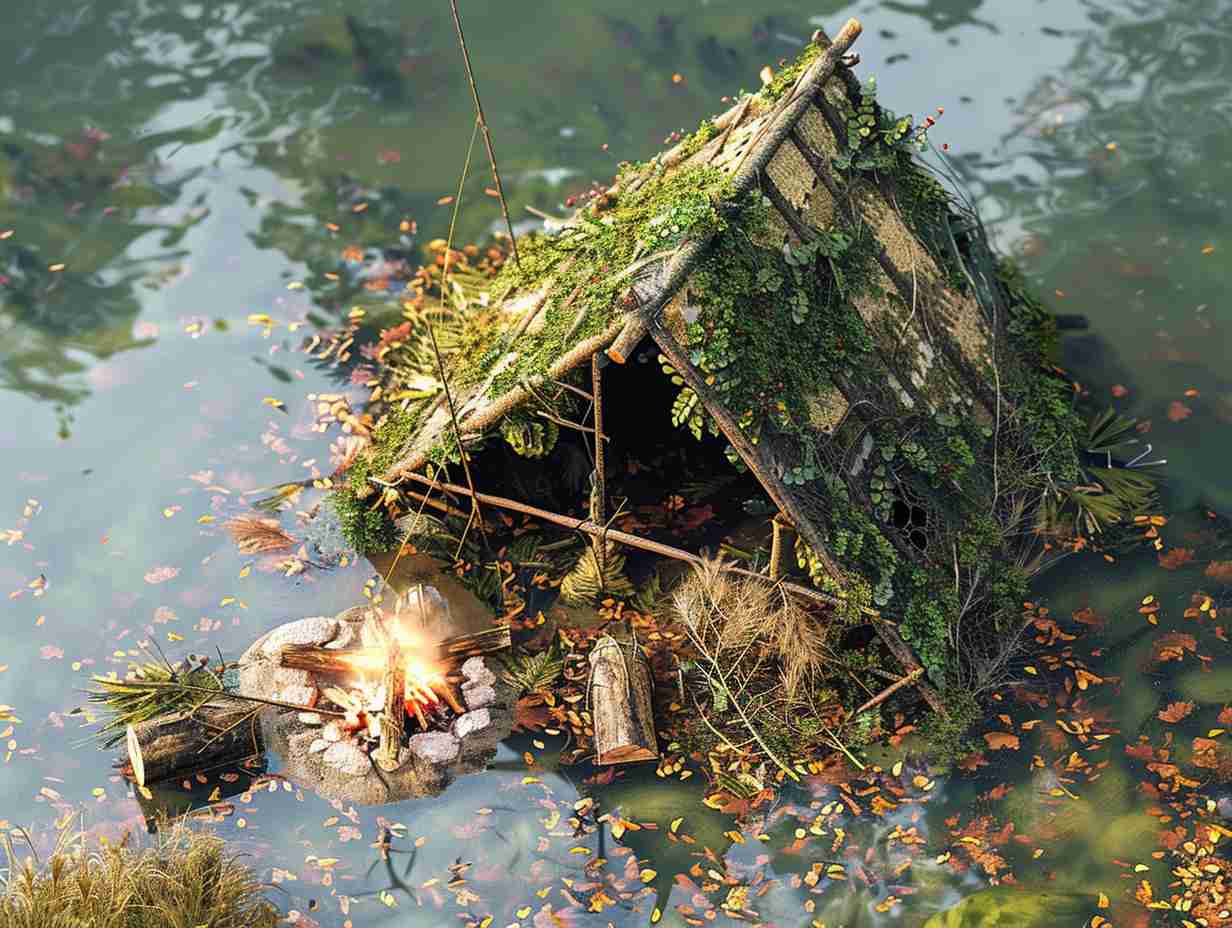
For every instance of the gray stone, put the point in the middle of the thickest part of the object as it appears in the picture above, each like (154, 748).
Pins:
(347, 757)
(480, 732)
(478, 696)
(476, 671)
(316, 630)
(470, 723)
(437, 748)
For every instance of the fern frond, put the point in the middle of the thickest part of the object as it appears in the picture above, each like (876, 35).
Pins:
(588, 581)
(533, 673)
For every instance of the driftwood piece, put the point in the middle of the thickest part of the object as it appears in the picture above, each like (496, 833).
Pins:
(183, 743)
(621, 704)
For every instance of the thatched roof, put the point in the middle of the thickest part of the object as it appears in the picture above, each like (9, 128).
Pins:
(570, 303)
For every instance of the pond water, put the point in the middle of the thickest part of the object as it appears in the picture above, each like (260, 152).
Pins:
(181, 161)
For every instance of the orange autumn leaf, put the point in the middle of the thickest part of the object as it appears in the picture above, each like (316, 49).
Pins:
(1175, 711)
(1088, 616)
(1172, 646)
(1219, 570)
(1001, 741)
(1204, 753)
(1225, 717)
(1178, 411)
(1176, 557)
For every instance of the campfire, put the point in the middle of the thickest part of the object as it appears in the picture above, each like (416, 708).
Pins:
(399, 680)
(402, 690)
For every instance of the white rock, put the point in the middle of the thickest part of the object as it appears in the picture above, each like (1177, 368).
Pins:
(436, 748)
(318, 745)
(309, 718)
(470, 722)
(315, 630)
(476, 671)
(347, 757)
(331, 732)
(478, 696)
(299, 695)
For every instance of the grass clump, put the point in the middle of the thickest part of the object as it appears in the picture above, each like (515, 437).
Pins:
(184, 880)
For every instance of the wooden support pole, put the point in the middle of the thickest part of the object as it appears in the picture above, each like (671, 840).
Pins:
(625, 538)
(598, 492)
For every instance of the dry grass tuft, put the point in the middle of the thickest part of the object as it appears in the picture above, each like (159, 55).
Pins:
(257, 535)
(183, 880)
(737, 618)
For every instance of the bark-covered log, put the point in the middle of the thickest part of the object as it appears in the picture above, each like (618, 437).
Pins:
(621, 704)
(184, 743)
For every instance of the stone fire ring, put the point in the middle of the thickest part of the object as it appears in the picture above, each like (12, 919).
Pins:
(342, 769)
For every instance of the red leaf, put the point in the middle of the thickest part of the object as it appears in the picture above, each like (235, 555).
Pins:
(1178, 411)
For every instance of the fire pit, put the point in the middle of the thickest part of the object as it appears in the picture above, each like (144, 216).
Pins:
(404, 710)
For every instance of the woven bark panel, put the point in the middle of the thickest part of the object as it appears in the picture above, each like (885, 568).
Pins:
(734, 148)
(792, 175)
(818, 212)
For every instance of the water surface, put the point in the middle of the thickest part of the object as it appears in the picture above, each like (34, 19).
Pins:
(182, 161)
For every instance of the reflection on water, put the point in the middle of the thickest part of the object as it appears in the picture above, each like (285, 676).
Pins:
(185, 161)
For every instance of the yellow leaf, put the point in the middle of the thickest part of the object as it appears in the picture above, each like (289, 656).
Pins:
(1103, 902)
(675, 825)
(172, 636)
(205, 520)
(897, 769)
(655, 916)
(648, 875)
(275, 403)
(245, 570)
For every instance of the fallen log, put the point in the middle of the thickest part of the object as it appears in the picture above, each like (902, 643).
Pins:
(621, 704)
(184, 743)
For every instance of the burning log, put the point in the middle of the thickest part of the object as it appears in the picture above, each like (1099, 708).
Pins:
(393, 716)
(622, 704)
(184, 743)
(443, 690)
(342, 661)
